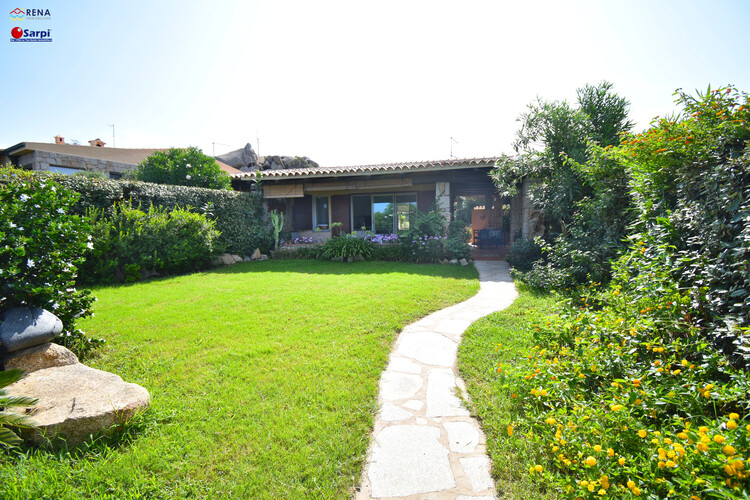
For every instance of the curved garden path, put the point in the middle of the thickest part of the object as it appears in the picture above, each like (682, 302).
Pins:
(425, 444)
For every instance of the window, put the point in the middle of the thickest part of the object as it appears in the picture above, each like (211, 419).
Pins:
(321, 216)
(115, 175)
(383, 213)
(64, 170)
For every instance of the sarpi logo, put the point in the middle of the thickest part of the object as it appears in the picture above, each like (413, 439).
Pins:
(20, 35)
(18, 14)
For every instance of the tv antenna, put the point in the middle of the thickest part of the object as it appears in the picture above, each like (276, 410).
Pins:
(213, 147)
(257, 141)
(113, 134)
(452, 141)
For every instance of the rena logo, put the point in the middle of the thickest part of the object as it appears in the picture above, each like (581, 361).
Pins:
(17, 14)
(31, 14)
(20, 35)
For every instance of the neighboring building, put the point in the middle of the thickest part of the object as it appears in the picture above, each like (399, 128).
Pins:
(71, 158)
(379, 198)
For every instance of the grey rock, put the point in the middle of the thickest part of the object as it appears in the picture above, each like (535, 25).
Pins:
(237, 258)
(454, 261)
(239, 158)
(263, 257)
(75, 401)
(247, 259)
(444, 261)
(256, 254)
(39, 357)
(463, 262)
(24, 327)
(227, 259)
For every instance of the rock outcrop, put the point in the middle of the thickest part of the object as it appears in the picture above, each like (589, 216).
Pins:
(247, 160)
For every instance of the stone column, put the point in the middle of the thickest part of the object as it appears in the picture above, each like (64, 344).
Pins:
(443, 199)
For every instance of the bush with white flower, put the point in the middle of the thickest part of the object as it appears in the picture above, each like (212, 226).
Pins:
(183, 167)
(41, 246)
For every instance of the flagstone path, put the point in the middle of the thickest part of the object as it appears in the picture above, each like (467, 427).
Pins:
(425, 444)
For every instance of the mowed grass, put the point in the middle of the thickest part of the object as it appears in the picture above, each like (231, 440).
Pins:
(504, 337)
(264, 380)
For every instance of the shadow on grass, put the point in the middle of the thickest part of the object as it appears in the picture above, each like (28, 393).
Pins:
(311, 266)
(117, 437)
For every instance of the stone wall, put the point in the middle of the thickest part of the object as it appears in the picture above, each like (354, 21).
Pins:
(43, 160)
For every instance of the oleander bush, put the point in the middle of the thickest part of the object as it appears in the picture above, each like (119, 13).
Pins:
(183, 167)
(239, 216)
(131, 243)
(41, 247)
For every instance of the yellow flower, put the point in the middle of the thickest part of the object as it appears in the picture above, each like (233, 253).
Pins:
(702, 429)
(551, 421)
(642, 433)
(616, 407)
(670, 463)
(636, 491)
(590, 461)
(728, 450)
(631, 484)
(597, 447)
(621, 461)
(719, 438)
(638, 401)
(734, 416)
(702, 446)
(682, 435)
(731, 425)
(543, 392)
(610, 452)
(602, 492)
(538, 468)
(510, 430)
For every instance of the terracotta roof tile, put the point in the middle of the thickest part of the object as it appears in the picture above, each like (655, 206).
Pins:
(377, 169)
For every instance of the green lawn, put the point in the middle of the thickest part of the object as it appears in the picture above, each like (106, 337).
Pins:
(504, 337)
(264, 380)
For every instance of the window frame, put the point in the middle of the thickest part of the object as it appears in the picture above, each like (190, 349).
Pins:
(316, 224)
(371, 196)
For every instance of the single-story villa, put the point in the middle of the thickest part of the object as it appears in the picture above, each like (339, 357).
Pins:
(379, 198)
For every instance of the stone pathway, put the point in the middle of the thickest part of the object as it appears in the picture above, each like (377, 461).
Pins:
(425, 445)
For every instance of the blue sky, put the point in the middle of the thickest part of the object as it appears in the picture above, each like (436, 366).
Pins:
(351, 82)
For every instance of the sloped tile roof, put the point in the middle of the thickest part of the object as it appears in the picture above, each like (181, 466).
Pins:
(377, 169)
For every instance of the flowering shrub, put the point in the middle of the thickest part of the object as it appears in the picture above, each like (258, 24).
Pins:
(183, 167)
(642, 388)
(382, 239)
(42, 247)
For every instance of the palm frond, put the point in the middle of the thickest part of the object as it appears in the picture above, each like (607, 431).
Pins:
(16, 420)
(6, 401)
(10, 376)
(9, 438)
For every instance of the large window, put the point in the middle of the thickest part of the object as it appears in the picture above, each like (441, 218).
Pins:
(321, 214)
(65, 170)
(383, 213)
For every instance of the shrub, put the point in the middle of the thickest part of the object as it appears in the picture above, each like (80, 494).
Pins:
(131, 241)
(423, 241)
(347, 247)
(388, 252)
(239, 216)
(457, 243)
(183, 167)
(524, 253)
(42, 247)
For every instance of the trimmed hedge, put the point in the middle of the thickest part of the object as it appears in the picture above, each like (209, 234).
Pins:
(238, 215)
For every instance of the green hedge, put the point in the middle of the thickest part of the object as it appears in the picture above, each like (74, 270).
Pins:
(238, 215)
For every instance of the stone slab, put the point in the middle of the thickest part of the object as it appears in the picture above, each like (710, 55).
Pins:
(428, 348)
(392, 413)
(463, 437)
(76, 401)
(477, 469)
(395, 386)
(441, 397)
(409, 460)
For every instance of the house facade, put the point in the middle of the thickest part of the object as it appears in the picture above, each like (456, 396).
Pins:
(379, 198)
(70, 159)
